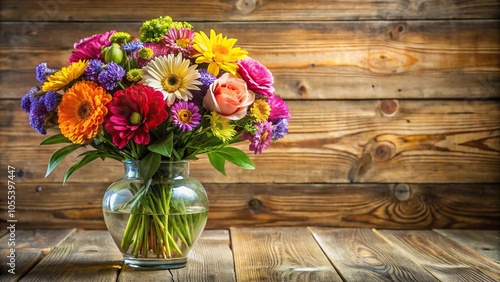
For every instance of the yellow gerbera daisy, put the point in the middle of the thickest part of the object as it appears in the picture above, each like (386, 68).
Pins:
(173, 76)
(260, 111)
(65, 76)
(82, 111)
(217, 52)
(221, 127)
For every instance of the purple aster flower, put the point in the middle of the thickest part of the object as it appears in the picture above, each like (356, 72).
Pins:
(280, 128)
(50, 101)
(28, 98)
(206, 79)
(42, 72)
(110, 76)
(93, 69)
(37, 116)
(262, 137)
(132, 46)
(185, 115)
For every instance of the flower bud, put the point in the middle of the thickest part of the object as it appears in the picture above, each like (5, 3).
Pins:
(113, 53)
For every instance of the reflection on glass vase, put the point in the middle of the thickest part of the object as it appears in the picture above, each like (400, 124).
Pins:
(156, 223)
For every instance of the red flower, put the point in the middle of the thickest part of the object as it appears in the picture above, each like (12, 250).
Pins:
(133, 112)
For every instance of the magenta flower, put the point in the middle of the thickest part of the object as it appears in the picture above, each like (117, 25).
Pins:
(180, 40)
(133, 113)
(279, 108)
(260, 139)
(258, 78)
(90, 47)
(185, 115)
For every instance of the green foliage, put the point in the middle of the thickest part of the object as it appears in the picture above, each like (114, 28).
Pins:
(234, 155)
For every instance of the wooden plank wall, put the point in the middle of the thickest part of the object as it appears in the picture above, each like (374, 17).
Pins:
(395, 111)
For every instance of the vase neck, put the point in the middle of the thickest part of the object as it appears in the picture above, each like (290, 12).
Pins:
(131, 169)
(174, 169)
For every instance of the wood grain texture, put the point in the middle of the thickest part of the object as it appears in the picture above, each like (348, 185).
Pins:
(246, 10)
(279, 254)
(361, 255)
(445, 259)
(485, 242)
(363, 60)
(30, 247)
(473, 206)
(329, 142)
(85, 256)
(211, 259)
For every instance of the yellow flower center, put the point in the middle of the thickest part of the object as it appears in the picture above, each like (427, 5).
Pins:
(183, 42)
(85, 110)
(263, 137)
(171, 82)
(135, 118)
(220, 53)
(184, 116)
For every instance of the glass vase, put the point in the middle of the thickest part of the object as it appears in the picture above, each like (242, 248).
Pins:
(155, 223)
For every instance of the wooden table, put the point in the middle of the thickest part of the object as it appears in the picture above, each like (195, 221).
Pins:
(267, 254)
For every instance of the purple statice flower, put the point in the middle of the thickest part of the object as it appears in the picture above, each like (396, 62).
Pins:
(28, 98)
(93, 69)
(38, 112)
(185, 115)
(42, 72)
(280, 128)
(262, 137)
(133, 46)
(206, 80)
(110, 75)
(50, 101)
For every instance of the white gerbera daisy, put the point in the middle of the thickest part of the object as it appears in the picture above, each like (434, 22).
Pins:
(173, 76)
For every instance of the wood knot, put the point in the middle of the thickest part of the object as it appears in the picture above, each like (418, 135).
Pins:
(302, 89)
(254, 204)
(397, 30)
(389, 108)
(245, 6)
(402, 192)
(382, 152)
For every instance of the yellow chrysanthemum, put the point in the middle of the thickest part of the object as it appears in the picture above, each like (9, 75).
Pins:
(217, 52)
(221, 127)
(260, 111)
(65, 76)
(82, 111)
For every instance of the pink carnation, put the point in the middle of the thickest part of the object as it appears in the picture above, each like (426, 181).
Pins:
(133, 113)
(90, 47)
(279, 108)
(258, 78)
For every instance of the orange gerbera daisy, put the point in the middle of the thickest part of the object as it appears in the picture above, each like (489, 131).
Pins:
(82, 111)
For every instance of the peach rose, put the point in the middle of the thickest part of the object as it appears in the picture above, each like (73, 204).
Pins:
(229, 97)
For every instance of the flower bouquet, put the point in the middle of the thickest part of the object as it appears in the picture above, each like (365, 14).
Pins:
(169, 94)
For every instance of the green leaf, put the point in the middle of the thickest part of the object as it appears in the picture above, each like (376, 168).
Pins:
(55, 139)
(237, 157)
(217, 161)
(231, 154)
(85, 160)
(59, 155)
(164, 147)
(149, 165)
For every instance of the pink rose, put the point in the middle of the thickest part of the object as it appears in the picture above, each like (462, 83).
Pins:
(90, 47)
(259, 79)
(229, 97)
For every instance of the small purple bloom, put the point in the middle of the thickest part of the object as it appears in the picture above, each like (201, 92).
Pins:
(37, 116)
(42, 72)
(28, 98)
(262, 137)
(93, 69)
(110, 76)
(133, 46)
(50, 101)
(280, 128)
(185, 115)
(206, 79)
